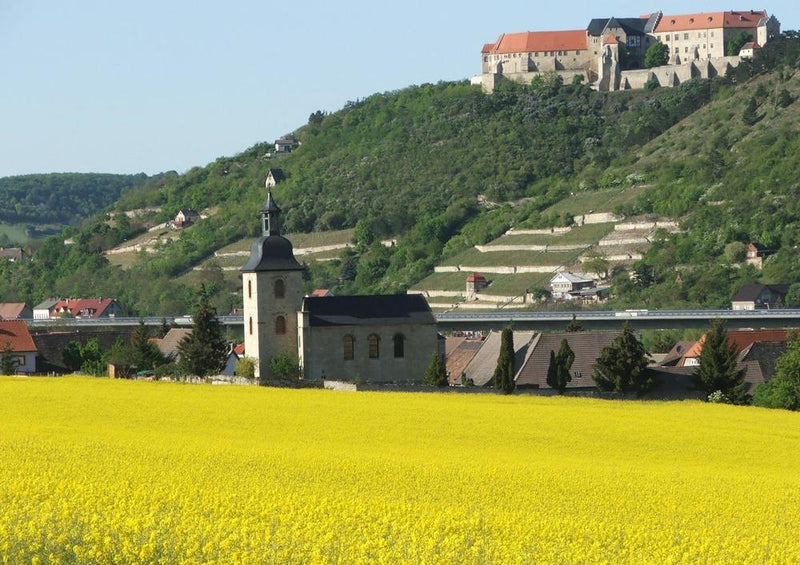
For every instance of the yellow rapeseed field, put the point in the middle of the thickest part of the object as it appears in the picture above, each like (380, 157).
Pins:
(101, 471)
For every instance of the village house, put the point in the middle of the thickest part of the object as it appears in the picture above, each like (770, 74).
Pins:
(757, 353)
(566, 282)
(274, 176)
(11, 253)
(43, 310)
(758, 296)
(459, 352)
(185, 218)
(15, 335)
(15, 311)
(586, 346)
(374, 338)
(755, 255)
(480, 369)
(84, 308)
(285, 145)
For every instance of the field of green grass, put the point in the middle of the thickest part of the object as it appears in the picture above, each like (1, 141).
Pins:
(588, 234)
(473, 257)
(299, 240)
(598, 201)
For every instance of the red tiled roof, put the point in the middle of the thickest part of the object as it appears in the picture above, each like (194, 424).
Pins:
(487, 47)
(610, 40)
(742, 339)
(460, 356)
(709, 20)
(238, 349)
(321, 292)
(16, 334)
(83, 307)
(537, 41)
(11, 310)
(473, 277)
(751, 45)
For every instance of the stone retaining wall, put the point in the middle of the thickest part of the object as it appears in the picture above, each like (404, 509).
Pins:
(545, 231)
(624, 241)
(499, 270)
(632, 226)
(545, 248)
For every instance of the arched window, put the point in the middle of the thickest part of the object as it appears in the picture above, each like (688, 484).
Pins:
(373, 341)
(250, 325)
(399, 346)
(349, 345)
(280, 325)
(280, 288)
(249, 289)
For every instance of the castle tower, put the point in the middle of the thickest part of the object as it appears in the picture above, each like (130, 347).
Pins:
(273, 293)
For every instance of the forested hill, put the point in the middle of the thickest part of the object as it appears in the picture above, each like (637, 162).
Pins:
(439, 166)
(61, 198)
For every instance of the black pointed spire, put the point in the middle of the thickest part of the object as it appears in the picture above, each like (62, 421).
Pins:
(269, 217)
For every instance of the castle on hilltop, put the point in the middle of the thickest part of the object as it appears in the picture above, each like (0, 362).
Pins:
(610, 53)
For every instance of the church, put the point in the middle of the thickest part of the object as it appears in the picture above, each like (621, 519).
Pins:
(377, 338)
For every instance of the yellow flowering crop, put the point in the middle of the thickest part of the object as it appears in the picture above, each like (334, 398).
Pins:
(101, 471)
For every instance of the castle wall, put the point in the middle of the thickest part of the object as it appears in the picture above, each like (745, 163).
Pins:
(489, 81)
(674, 75)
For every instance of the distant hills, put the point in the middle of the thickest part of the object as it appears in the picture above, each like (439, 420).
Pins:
(441, 168)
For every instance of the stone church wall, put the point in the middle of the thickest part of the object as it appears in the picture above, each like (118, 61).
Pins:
(323, 352)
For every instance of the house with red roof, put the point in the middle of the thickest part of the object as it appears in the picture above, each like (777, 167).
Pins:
(85, 308)
(15, 311)
(15, 335)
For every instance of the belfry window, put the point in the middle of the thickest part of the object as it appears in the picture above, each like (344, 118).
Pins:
(280, 288)
(280, 325)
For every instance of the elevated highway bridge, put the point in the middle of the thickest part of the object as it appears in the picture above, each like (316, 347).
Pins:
(521, 320)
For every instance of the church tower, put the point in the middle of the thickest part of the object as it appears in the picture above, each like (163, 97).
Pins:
(273, 293)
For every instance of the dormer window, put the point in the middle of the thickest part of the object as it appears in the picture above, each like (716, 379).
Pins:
(672, 22)
(691, 20)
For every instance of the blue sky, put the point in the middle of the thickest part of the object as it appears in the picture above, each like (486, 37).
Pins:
(149, 86)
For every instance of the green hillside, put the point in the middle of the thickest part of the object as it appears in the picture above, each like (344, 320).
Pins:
(444, 167)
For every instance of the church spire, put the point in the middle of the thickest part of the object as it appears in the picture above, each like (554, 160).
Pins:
(269, 217)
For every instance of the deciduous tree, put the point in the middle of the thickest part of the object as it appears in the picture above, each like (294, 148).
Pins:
(657, 54)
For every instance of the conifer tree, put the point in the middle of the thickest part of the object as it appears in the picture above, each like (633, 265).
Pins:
(622, 366)
(503, 377)
(558, 375)
(145, 353)
(203, 352)
(8, 361)
(436, 374)
(750, 113)
(718, 368)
